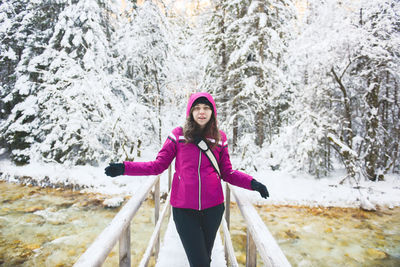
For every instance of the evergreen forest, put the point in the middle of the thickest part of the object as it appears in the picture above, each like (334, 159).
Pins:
(306, 86)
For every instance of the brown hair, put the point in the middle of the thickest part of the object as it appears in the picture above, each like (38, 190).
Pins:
(191, 129)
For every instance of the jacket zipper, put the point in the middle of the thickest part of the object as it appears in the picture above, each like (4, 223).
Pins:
(199, 182)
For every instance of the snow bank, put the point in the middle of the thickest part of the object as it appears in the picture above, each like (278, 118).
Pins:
(287, 189)
(284, 188)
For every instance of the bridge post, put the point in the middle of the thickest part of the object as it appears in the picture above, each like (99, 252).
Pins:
(228, 205)
(125, 248)
(227, 216)
(117, 230)
(157, 214)
(169, 177)
(251, 251)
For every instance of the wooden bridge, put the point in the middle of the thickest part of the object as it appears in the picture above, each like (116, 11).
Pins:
(259, 239)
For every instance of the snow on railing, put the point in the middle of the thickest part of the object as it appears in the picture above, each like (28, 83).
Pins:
(155, 237)
(119, 229)
(258, 236)
(229, 252)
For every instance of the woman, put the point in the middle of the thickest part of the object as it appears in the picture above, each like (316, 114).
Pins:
(196, 194)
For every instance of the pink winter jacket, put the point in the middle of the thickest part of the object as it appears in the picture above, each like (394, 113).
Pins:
(196, 185)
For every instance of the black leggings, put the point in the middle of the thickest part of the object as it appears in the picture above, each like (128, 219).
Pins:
(197, 230)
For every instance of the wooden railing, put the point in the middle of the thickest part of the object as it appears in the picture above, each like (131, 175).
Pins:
(119, 229)
(229, 251)
(258, 237)
(155, 237)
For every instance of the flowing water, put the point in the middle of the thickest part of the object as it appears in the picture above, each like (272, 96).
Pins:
(327, 236)
(53, 227)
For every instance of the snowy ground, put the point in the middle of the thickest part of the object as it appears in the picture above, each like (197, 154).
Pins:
(284, 188)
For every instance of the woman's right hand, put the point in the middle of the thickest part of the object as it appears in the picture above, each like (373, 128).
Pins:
(115, 169)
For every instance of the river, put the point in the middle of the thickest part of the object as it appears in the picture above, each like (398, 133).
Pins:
(53, 227)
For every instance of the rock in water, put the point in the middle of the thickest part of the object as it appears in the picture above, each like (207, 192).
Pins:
(367, 205)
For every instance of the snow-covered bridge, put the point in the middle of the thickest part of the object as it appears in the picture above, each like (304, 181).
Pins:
(171, 252)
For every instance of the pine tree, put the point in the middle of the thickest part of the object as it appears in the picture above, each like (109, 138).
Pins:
(11, 18)
(80, 113)
(214, 48)
(246, 42)
(26, 29)
(320, 58)
(144, 46)
(342, 63)
(102, 110)
(375, 72)
(256, 82)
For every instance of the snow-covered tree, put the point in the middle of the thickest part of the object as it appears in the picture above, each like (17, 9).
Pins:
(341, 60)
(11, 47)
(312, 111)
(374, 70)
(146, 47)
(26, 27)
(186, 60)
(248, 41)
(214, 49)
(80, 112)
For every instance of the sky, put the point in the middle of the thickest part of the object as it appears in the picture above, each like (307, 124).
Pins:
(187, 7)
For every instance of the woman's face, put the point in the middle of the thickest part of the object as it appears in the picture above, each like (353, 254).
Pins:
(201, 114)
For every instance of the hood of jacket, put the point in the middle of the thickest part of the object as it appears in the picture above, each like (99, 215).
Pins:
(195, 96)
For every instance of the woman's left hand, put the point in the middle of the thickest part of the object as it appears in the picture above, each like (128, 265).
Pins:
(262, 189)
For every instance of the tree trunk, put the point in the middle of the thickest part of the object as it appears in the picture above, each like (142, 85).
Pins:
(396, 131)
(371, 158)
(158, 105)
(347, 135)
(223, 67)
(260, 128)
(235, 133)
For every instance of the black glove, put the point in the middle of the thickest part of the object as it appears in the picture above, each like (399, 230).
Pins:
(262, 189)
(115, 169)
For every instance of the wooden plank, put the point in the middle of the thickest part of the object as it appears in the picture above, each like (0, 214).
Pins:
(229, 251)
(125, 248)
(169, 177)
(228, 205)
(156, 234)
(267, 247)
(251, 251)
(98, 251)
(157, 213)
